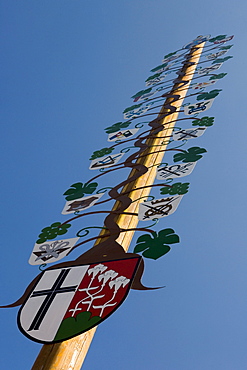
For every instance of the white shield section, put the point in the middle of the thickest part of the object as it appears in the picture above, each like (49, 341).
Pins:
(158, 208)
(190, 133)
(81, 204)
(201, 106)
(51, 251)
(122, 135)
(105, 162)
(175, 171)
(206, 70)
(54, 312)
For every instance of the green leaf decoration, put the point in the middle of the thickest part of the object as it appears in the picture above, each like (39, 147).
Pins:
(217, 38)
(153, 77)
(132, 107)
(222, 60)
(155, 246)
(78, 190)
(51, 232)
(177, 188)
(191, 155)
(208, 95)
(159, 67)
(142, 92)
(101, 153)
(217, 77)
(116, 127)
(204, 121)
(227, 47)
(169, 55)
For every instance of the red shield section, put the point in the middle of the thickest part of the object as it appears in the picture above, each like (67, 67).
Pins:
(101, 291)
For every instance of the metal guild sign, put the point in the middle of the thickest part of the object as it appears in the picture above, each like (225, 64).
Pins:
(158, 208)
(68, 301)
(174, 171)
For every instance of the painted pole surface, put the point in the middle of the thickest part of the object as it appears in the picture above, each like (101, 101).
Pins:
(70, 354)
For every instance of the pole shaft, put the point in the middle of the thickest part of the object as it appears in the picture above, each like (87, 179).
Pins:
(70, 354)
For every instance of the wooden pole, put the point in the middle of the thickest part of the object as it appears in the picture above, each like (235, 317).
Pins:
(70, 354)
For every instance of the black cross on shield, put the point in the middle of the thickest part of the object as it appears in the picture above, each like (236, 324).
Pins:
(50, 295)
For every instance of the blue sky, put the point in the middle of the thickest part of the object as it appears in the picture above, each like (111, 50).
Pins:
(68, 71)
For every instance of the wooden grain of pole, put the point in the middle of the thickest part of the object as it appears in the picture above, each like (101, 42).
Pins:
(70, 354)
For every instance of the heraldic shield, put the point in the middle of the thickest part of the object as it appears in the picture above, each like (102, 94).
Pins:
(68, 301)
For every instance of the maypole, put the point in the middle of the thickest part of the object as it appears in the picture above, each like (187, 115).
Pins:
(71, 354)
(88, 289)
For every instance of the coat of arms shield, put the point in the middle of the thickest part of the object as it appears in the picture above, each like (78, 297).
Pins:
(68, 301)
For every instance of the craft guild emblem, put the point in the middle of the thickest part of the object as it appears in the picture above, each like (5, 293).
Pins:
(158, 208)
(66, 302)
(206, 70)
(186, 134)
(143, 94)
(201, 85)
(136, 111)
(223, 40)
(152, 80)
(162, 68)
(123, 134)
(170, 58)
(198, 107)
(174, 171)
(81, 204)
(51, 251)
(216, 55)
(106, 161)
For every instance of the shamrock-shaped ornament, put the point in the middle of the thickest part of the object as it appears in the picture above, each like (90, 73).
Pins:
(78, 190)
(218, 76)
(209, 95)
(116, 127)
(101, 153)
(204, 121)
(177, 188)
(193, 154)
(155, 245)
